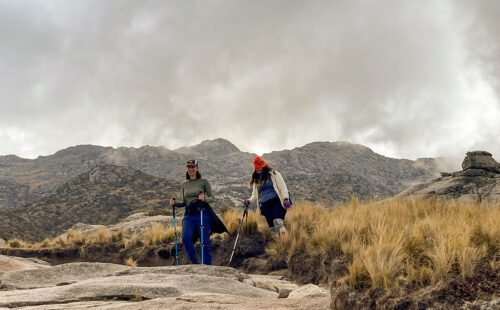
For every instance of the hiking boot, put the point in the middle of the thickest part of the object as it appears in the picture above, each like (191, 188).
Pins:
(279, 226)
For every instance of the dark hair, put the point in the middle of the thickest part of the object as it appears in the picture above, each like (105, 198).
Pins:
(261, 178)
(198, 175)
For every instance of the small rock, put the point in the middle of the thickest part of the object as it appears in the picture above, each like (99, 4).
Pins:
(273, 284)
(2, 242)
(309, 290)
(284, 292)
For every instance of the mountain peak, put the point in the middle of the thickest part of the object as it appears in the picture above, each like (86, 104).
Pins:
(80, 150)
(211, 147)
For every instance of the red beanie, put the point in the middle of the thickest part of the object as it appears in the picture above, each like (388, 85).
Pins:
(259, 163)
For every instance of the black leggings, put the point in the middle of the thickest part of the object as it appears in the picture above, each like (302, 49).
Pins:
(272, 209)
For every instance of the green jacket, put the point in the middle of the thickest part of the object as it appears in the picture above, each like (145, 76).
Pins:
(191, 189)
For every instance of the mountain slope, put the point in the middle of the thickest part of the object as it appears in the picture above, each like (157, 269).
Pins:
(14, 225)
(104, 195)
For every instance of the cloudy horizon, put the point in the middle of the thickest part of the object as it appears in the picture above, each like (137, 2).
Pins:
(407, 79)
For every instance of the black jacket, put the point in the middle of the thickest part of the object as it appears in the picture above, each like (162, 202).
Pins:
(217, 226)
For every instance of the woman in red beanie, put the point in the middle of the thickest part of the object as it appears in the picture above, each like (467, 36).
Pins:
(271, 193)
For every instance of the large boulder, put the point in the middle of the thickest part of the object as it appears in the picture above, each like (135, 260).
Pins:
(480, 160)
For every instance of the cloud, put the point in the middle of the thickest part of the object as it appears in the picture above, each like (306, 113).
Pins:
(404, 78)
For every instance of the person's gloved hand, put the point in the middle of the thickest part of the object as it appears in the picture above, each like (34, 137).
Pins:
(246, 202)
(286, 203)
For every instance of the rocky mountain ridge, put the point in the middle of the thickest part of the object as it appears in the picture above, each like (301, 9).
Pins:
(322, 171)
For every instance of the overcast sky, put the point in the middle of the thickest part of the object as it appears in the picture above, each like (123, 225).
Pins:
(405, 78)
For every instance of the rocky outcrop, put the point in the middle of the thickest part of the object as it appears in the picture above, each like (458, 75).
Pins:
(480, 160)
(479, 181)
(135, 223)
(106, 286)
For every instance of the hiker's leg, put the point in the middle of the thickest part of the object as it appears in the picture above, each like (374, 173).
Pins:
(278, 217)
(188, 228)
(267, 212)
(207, 251)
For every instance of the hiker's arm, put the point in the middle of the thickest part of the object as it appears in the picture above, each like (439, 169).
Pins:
(280, 182)
(209, 195)
(253, 198)
(183, 203)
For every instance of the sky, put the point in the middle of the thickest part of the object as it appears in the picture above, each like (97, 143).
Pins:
(408, 79)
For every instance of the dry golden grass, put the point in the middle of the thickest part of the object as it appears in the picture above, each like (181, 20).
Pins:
(158, 234)
(416, 240)
(254, 223)
(130, 262)
(99, 237)
(133, 241)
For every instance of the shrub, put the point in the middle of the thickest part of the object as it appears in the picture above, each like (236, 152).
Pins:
(15, 243)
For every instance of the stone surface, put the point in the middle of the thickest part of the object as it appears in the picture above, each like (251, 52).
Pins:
(147, 285)
(96, 281)
(57, 275)
(194, 301)
(2, 242)
(309, 290)
(12, 264)
(108, 286)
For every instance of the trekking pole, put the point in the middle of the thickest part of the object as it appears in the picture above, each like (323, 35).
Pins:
(175, 236)
(201, 236)
(245, 213)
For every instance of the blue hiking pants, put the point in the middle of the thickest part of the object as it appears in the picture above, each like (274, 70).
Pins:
(190, 224)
